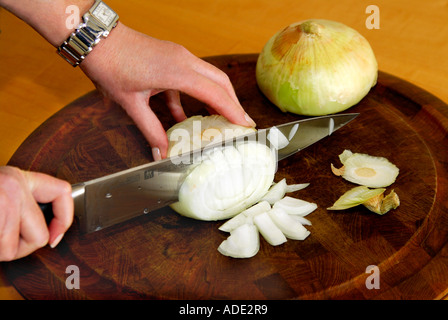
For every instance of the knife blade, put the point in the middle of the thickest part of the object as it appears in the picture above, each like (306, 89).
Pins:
(115, 198)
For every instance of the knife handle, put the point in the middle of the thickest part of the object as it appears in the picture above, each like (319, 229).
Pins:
(47, 210)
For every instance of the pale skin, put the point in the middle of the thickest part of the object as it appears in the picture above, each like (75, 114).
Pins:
(129, 68)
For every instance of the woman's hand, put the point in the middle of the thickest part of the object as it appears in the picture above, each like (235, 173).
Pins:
(130, 67)
(22, 224)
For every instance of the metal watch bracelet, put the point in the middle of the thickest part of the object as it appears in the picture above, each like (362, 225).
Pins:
(81, 42)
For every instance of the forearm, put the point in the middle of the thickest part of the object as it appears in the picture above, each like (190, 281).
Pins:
(48, 17)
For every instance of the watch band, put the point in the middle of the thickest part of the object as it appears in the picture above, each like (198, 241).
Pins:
(97, 24)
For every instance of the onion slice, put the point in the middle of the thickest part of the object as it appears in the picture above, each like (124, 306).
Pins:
(279, 189)
(290, 227)
(284, 220)
(304, 221)
(245, 217)
(243, 242)
(366, 170)
(277, 139)
(296, 187)
(295, 206)
(269, 230)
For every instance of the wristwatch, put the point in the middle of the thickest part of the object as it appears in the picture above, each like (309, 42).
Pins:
(97, 24)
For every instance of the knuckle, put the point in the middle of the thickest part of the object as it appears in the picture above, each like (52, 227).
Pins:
(179, 48)
(40, 238)
(181, 51)
(4, 199)
(10, 179)
(6, 257)
(225, 77)
(66, 188)
(8, 252)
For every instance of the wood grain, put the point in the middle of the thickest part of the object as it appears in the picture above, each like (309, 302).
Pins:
(162, 255)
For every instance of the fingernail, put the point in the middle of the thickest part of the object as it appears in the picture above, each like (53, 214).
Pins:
(249, 120)
(156, 154)
(56, 241)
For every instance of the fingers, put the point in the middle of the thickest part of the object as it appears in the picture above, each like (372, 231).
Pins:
(9, 227)
(47, 189)
(34, 233)
(210, 71)
(137, 107)
(172, 99)
(22, 225)
(212, 86)
(218, 97)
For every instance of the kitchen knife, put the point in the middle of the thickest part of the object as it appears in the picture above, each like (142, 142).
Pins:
(105, 201)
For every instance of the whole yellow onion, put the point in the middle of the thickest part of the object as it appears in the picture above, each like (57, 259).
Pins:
(316, 67)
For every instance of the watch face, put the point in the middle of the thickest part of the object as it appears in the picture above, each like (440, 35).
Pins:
(103, 13)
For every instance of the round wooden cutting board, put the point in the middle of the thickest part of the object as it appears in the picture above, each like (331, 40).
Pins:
(162, 255)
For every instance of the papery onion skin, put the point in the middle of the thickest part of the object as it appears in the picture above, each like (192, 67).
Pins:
(355, 196)
(316, 67)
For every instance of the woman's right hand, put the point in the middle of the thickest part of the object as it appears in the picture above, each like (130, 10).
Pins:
(22, 224)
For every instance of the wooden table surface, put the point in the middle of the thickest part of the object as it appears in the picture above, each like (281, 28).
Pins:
(35, 82)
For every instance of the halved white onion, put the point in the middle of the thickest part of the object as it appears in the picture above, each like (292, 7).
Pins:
(227, 180)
